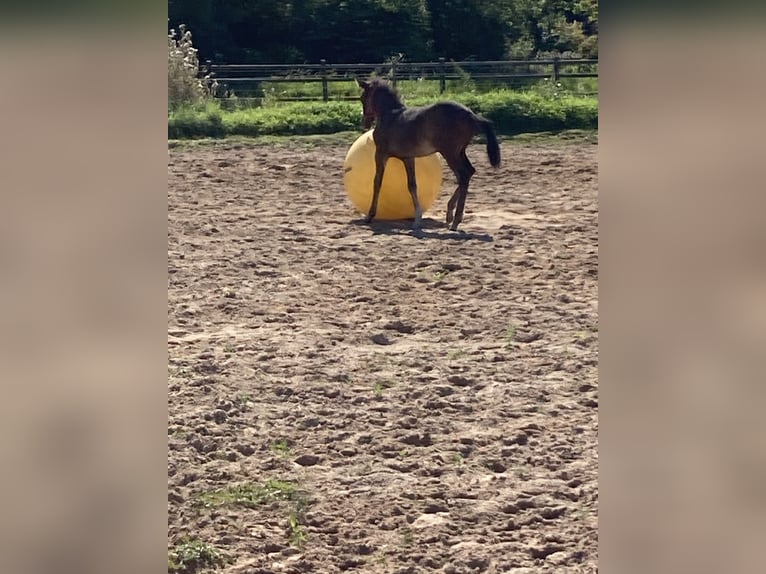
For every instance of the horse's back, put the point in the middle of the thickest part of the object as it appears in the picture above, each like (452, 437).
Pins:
(450, 109)
(422, 130)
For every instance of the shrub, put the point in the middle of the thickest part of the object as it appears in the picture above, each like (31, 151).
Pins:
(184, 85)
(196, 122)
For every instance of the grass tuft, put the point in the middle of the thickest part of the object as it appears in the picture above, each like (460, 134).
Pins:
(248, 494)
(191, 555)
(280, 447)
(510, 334)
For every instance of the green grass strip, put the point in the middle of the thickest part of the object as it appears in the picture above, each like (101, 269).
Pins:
(511, 112)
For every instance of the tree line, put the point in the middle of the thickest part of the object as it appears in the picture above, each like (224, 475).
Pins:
(353, 31)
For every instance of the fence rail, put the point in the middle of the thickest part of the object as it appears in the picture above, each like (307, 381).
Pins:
(249, 78)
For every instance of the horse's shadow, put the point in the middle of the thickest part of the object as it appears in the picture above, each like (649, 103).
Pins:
(430, 229)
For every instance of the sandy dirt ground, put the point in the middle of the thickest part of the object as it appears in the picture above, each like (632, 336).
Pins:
(345, 397)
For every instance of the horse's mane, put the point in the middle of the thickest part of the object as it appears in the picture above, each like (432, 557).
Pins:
(387, 93)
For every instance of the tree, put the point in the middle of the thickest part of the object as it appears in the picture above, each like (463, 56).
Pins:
(467, 29)
(367, 31)
(294, 31)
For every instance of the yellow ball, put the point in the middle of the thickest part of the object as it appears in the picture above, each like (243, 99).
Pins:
(395, 201)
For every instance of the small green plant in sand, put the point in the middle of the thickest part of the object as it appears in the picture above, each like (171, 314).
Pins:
(510, 334)
(440, 275)
(191, 555)
(407, 536)
(521, 473)
(243, 399)
(381, 386)
(427, 275)
(297, 534)
(456, 354)
(252, 495)
(249, 495)
(280, 447)
(582, 514)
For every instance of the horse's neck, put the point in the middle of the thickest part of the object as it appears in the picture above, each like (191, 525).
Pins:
(389, 103)
(391, 113)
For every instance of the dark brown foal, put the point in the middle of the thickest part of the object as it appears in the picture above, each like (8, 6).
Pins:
(409, 132)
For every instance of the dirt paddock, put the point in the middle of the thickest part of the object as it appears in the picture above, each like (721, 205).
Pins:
(348, 398)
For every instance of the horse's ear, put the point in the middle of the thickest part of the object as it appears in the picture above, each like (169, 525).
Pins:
(362, 84)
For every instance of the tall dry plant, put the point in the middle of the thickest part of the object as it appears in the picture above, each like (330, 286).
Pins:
(185, 86)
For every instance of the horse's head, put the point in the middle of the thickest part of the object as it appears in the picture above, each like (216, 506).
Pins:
(378, 97)
(368, 106)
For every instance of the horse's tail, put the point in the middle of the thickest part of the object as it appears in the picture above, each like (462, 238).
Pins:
(493, 148)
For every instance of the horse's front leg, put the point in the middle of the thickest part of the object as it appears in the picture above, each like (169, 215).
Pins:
(380, 167)
(412, 185)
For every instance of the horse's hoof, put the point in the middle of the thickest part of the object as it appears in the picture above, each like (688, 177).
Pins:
(416, 232)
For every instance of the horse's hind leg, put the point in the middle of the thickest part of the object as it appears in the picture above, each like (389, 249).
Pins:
(412, 185)
(451, 206)
(463, 170)
(468, 171)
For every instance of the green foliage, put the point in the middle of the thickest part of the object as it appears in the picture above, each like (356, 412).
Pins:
(196, 121)
(281, 91)
(276, 92)
(468, 29)
(271, 31)
(294, 119)
(284, 119)
(512, 113)
(525, 112)
(365, 30)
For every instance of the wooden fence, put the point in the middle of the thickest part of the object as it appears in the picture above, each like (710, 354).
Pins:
(249, 79)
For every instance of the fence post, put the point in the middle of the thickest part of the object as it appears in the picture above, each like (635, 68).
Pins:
(393, 71)
(207, 76)
(556, 67)
(442, 80)
(325, 90)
